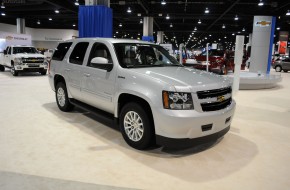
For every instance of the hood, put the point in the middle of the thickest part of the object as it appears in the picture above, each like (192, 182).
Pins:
(28, 55)
(185, 78)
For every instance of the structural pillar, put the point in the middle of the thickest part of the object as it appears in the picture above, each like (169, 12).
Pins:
(20, 25)
(160, 37)
(262, 41)
(148, 29)
(96, 19)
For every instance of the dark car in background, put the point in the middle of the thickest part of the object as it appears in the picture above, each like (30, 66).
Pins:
(282, 64)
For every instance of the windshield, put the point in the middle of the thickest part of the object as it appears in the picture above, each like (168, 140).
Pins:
(143, 55)
(24, 50)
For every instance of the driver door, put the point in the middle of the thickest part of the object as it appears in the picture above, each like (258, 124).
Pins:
(98, 85)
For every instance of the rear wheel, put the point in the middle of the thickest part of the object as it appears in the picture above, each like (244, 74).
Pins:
(136, 126)
(43, 72)
(62, 98)
(2, 68)
(278, 68)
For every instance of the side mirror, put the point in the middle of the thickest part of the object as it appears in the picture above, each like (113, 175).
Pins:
(101, 63)
(5, 52)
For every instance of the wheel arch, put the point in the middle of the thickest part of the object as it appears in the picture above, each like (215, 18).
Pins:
(57, 79)
(125, 98)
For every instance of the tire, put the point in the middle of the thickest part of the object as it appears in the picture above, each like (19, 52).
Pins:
(278, 68)
(43, 72)
(285, 71)
(62, 98)
(142, 136)
(2, 68)
(13, 71)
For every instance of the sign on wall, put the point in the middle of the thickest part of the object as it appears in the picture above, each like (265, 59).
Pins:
(15, 39)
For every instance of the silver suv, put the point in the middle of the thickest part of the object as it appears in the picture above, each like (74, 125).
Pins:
(150, 95)
(282, 64)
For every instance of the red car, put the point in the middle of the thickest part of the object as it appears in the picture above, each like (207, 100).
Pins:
(217, 62)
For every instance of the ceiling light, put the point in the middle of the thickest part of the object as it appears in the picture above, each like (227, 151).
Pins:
(171, 25)
(236, 17)
(141, 21)
(56, 11)
(195, 28)
(224, 26)
(2, 6)
(278, 28)
(288, 13)
(138, 34)
(3, 14)
(209, 35)
(50, 19)
(199, 21)
(120, 25)
(225, 37)
(163, 2)
(261, 3)
(74, 25)
(233, 34)
(206, 10)
(38, 22)
(77, 3)
(167, 16)
(129, 10)
(244, 30)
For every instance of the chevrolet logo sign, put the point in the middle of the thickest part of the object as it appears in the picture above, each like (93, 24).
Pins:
(220, 98)
(33, 60)
(263, 23)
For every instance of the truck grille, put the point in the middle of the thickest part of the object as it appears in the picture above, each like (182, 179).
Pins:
(33, 60)
(222, 99)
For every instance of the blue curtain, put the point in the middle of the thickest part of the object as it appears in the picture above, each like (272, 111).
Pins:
(95, 21)
(148, 38)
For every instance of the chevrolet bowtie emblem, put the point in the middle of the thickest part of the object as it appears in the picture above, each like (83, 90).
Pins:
(263, 23)
(220, 98)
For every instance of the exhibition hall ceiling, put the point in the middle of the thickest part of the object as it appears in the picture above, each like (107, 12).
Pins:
(223, 20)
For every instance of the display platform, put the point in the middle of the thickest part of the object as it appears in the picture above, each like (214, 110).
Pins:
(254, 81)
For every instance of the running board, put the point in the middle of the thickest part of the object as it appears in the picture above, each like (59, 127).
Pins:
(100, 114)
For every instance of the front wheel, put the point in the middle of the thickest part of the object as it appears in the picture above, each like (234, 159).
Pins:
(13, 71)
(136, 126)
(62, 98)
(278, 68)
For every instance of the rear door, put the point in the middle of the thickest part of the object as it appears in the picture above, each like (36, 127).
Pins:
(286, 64)
(73, 69)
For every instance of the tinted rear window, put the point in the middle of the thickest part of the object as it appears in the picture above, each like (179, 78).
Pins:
(78, 54)
(61, 50)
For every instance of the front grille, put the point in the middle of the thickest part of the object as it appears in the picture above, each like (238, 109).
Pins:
(214, 93)
(33, 60)
(219, 101)
(216, 105)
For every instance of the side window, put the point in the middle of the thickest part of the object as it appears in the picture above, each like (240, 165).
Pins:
(78, 54)
(61, 51)
(9, 50)
(99, 50)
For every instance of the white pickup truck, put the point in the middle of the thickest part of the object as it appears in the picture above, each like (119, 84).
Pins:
(23, 59)
(152, 97)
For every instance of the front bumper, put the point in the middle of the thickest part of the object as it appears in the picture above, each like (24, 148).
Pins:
(188, 126)
(31, 67)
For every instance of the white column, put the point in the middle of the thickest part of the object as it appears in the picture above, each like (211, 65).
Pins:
(148, 26)
(160, 37)
(239, 49)
(20, 25)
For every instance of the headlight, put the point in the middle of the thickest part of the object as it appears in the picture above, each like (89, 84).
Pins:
(177, 100)
(18, 61)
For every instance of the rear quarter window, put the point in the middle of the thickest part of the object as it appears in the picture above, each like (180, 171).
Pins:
(61, 51)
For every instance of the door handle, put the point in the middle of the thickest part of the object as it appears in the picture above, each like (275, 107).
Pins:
(67, 70)
(87, 74)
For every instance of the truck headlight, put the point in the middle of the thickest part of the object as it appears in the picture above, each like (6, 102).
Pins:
(18, 61)
(177, 100)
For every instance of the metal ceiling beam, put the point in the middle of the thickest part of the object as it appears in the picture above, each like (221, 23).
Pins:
(221, 16)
